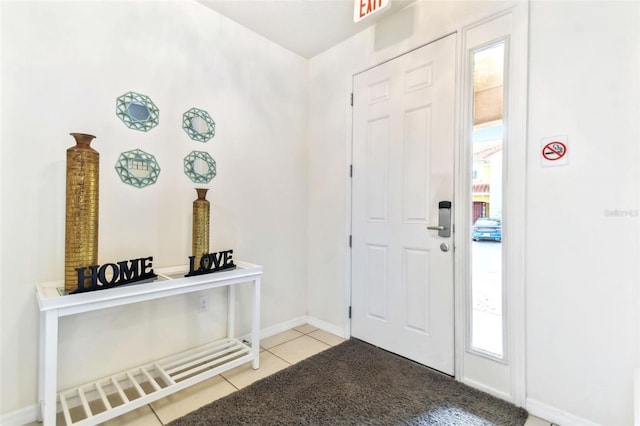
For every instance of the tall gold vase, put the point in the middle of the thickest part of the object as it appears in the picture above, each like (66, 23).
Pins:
(200, 226)
(81, 226)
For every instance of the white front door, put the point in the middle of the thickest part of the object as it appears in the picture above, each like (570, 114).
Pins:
(403, 165)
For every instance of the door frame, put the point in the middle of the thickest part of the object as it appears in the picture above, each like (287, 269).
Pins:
(515, 205)
(510, 25)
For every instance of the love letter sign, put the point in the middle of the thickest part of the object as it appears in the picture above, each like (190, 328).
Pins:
(211, 262)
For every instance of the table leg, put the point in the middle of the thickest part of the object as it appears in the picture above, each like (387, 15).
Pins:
(48, 367)
(41, 368)
(255, 324)
(231, 311)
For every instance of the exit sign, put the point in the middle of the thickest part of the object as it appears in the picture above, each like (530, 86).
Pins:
(365, 8)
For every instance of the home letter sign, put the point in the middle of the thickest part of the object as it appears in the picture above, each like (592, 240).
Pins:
(114, 274)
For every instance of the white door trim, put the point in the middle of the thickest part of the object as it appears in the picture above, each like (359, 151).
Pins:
(510, 25)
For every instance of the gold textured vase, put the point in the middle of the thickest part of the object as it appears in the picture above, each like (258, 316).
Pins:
(81, 225)
(200, 226)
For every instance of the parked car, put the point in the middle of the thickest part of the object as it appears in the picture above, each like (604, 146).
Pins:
(487, 229)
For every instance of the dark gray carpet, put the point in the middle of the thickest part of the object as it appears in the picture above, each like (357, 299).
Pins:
(355, 383)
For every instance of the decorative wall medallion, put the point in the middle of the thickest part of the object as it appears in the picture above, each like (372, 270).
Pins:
(137, 168)
(198, 124)
(137, 111)
(200, 167)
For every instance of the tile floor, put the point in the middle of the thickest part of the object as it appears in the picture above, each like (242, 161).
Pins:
(276, 352)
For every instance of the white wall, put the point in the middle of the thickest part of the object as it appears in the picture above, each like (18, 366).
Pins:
(63, 65)
(580, 261)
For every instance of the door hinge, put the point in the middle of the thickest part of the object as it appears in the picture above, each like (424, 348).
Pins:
(351, 99)
(349, 311)
(350, 240)
(351, 170)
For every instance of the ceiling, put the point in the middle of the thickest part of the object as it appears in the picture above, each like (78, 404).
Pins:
(306, 27)
(309, 27)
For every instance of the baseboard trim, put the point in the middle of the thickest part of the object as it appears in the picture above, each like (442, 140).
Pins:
(636, 404)
(487, 389)
(283, 326)
(328, 327)
(296, 322)
(20, 417)
(555, 415)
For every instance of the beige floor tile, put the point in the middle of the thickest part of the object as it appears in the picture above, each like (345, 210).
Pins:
(305, 329)
(326, 337)
(536, 421)
(279, 338)
(298, 349)
(244, 375)
(143, 416)
(187, 400)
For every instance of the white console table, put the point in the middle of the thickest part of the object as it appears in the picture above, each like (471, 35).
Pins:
(126, 391)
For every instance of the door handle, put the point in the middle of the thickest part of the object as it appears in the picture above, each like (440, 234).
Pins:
(444, 219)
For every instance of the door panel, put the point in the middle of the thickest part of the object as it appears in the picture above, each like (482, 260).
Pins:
(377, 290)
(402, 282)
(378, 159)
(416, 265)
(416, 155)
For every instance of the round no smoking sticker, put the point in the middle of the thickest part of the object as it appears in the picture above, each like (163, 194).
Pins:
(554, 151)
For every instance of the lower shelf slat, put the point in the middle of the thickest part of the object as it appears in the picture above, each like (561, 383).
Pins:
(119, 389)
(103, 396)
(136, 385)
(150, 382)
(164, 375)
(174, 362)
(65, 409)
(85, 403)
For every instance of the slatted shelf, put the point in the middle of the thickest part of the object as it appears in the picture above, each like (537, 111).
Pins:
(103, 399)
(112, 396)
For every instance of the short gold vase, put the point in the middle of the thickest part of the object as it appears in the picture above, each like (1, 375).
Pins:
(200, 226)
(81, 225)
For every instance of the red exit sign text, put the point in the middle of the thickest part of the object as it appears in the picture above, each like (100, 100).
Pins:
(365, 8)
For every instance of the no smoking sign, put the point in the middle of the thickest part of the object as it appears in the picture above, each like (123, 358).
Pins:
(554, 151)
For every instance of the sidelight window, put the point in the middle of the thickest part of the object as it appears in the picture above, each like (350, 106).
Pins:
(487, 325)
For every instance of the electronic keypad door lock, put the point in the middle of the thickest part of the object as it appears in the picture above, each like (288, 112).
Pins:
(444, 219)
